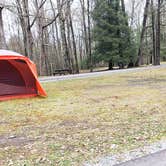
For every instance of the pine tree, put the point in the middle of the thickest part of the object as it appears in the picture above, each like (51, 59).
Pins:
(112, 33)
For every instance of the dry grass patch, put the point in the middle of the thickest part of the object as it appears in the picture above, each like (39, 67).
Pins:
(83, 119)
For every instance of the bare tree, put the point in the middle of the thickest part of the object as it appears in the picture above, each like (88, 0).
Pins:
(3, 44)
(73, 38)
(153, 31)
(65, 49)
(158, 33)
(26, 24)
(57, 42)
(85, 37)
(89, 37)
(140, 56)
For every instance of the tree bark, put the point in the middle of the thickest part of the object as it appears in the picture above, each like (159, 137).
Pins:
(23, 10)
(110, 65)
(63, 36)
(158, 33)
(89, 37)
(140, 55)
(73, 39)
(153, 32)
(69, 42)
(42, 39)
(84, 26)
(132, 13)
(56, 39)
(124, 12)
(3, 44)
(29, 43)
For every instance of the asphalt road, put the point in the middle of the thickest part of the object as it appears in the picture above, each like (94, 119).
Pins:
(156, 159)
(95, 74)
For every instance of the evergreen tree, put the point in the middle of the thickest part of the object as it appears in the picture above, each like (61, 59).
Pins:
(112, 33)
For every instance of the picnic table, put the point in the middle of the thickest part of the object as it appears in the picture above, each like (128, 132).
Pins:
(62, 72)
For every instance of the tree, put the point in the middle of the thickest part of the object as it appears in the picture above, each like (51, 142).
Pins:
(89, 37)
(26, 24)
(3, 44)
(158, 32)
(84, 24)
(111, 33)
(73, 37)
(65, 49)
(153, 18)
(140, 55)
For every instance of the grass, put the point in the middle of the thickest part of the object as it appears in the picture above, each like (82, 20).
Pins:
(83, 119)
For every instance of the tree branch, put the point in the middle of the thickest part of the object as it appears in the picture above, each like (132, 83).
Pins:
(54, 19)
(36, 16)
(43, 27)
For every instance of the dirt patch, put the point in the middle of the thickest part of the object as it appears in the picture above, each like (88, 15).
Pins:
(70, 123)
(3, 122)
(101, 87)
(81, 125)
(14, 141)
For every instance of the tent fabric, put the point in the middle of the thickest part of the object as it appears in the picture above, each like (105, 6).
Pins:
(18, 77)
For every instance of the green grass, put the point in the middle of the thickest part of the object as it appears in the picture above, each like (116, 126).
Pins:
(83, 119)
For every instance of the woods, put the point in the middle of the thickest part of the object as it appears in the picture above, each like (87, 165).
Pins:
(83, 34)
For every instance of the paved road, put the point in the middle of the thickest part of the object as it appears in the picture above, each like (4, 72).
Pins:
(95, 74)
(156, 159)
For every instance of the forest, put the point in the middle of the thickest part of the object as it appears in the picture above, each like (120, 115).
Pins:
(84, 34)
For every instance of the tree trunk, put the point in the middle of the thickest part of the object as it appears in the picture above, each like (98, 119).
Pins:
(84, 26)
(42, 39)
(110, 65)
(73, 39)
(158, 34)
(124, 12)
(59, 49)
(29, 43)
(63, 36)
(59, 44)
(44, 58)
(132, 13)
(23, 10)
(69, 43)
(153, 32)
(89, 37)
(55, 51)
(140, 55)
(3, 44)
(80, 51)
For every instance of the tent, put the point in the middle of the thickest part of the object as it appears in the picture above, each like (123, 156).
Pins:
(18, 77)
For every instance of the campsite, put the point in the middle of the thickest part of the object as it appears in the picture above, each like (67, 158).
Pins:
(82, 83)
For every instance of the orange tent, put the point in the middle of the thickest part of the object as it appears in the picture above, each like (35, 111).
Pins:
(18, 77)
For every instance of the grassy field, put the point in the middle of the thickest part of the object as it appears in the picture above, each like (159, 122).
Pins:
(83, 119)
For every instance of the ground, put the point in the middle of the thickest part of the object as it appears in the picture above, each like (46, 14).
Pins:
(84, 119)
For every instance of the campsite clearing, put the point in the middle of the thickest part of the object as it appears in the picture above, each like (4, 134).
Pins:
(83, 119)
